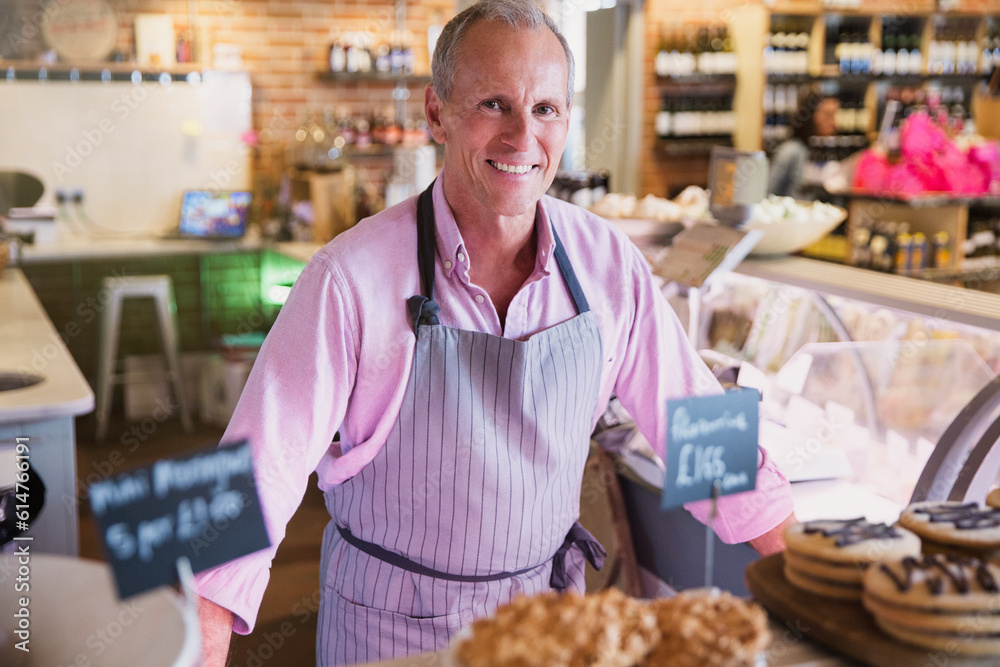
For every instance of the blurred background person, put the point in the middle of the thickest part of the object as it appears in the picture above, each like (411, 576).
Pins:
(815, 116)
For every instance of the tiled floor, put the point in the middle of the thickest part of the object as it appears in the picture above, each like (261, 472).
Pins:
(285, 635)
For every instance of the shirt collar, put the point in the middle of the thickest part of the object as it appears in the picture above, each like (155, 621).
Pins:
(451, 247)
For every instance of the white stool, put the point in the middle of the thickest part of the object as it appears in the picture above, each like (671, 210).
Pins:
(161, 290)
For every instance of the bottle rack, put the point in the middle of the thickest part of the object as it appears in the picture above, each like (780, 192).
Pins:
(851, 54)
(354, 58)
(695, 69)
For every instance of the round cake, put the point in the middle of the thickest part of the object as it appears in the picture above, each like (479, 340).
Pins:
(955, 527)
(938, 602)
(828, 557)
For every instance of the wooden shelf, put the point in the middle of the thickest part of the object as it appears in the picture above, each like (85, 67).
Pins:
(32, 70)
(373, 77)
(691, 145)
(377, 151)
(697, 85)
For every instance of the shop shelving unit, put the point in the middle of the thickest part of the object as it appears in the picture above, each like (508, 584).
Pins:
(751, 23)
(701, 87)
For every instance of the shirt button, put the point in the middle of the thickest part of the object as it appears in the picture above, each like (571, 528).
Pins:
(479, 298)
(447, 264)
(461, 257)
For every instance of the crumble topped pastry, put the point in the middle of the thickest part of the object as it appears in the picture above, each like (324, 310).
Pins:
(700, 629)
(608, 629)
(708, 629)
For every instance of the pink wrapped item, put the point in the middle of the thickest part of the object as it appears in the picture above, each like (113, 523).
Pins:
(920, 139)
(871, 173)
(987, 156)
(930, 163)
(904, 180)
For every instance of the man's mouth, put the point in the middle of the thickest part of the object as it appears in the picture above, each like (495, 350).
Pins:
(511, 168)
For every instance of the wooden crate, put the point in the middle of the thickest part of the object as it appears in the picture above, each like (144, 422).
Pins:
(928, 219)
(986, 111)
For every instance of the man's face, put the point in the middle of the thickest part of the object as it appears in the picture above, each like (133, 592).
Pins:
(505, 123)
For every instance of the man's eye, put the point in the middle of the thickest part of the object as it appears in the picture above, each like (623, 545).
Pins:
(490, 104)
(545, 110)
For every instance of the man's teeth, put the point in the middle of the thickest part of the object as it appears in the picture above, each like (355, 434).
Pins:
(510, 168)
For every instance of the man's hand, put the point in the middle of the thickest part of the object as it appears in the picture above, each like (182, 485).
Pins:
(216, 630)
(773, 540)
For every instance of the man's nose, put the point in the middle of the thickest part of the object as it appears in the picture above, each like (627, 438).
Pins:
(517, 130)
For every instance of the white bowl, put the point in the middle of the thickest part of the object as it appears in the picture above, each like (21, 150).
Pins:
(785, 236)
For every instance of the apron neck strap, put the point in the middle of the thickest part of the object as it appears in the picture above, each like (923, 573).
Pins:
(569, 275)
(426, 240)
(426, 245)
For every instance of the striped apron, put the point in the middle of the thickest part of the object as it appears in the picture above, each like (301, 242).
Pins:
(474, 498)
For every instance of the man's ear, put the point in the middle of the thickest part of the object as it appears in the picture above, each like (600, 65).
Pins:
(432, 111)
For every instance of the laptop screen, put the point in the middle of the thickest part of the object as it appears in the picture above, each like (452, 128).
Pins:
(214, 214)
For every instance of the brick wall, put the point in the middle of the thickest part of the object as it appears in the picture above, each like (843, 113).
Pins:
(285, 43)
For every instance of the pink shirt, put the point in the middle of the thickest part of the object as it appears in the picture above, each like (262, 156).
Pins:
(338, 359)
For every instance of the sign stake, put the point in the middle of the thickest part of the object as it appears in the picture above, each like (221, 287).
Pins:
(710, 535)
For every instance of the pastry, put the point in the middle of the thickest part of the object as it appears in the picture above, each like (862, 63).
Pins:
(707, 630)
(938, 602)
(607, 629)
(955, 527)
(829, 557)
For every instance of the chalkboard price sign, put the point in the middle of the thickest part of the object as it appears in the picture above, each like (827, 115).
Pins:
(710, 440)
(203, 506)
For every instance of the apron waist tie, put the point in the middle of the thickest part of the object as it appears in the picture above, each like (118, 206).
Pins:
(578, 535)
(587, 543)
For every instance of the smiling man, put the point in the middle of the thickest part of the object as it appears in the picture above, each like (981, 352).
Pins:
(463, 344)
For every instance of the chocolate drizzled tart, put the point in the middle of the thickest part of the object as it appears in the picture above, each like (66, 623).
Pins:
(937, 601)
(829, 557)
(955, 527)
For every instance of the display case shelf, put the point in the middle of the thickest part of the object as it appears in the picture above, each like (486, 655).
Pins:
(920, 297)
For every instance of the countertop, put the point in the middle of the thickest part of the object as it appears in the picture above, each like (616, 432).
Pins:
(939, 303)
(297, 250)
(29, 343)
(75, 247)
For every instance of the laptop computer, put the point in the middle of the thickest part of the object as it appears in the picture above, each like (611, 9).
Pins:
(213, 215)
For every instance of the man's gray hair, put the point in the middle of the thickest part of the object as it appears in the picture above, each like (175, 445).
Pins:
(515, 13)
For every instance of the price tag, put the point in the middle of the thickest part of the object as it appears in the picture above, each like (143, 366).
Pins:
(711, 439)
(203, 506)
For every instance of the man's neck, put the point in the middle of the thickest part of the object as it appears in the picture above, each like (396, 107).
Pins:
(490, 238)
(501, 249)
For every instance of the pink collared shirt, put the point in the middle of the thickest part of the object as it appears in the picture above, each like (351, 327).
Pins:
(338, 359)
